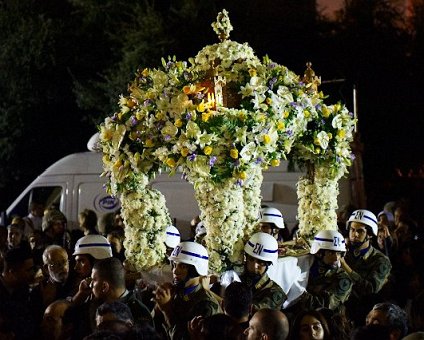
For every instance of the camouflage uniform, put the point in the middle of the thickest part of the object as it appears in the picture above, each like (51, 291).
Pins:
(266, 293)
(186, 305)
(327, 287)
(371, 269)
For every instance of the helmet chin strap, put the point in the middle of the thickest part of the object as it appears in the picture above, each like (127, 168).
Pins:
(356, 245)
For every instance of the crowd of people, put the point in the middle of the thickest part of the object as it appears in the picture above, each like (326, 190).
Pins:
(365, 280)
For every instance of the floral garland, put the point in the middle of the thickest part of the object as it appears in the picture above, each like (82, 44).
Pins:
(220, 118)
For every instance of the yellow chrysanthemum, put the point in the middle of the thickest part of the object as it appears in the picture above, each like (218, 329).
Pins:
(207, 150)
(178, 123)
(206, 116)
(160, 115)
(201, 107)
(170, 162)
(234, 153)
(341, 133)
(149, 143)
(285, 114)
(267, 139)
(306, 113)
(184, 152)
(275, 162)
(252, 72)
(281, 125)
(325, 112)
(242, 175)
(145, 72)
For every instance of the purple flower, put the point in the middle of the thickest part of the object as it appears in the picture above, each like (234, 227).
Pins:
(258, 160)
(133, 121)
(236, 163)
(115, 117)
(272, 65)
(294, 104)
(289, 132)
(352, 156)
(212, 161)
(351, 114)
(147, 102)
(272, 83)
(200, 95)
(192, 157)
(239, 182)
(184, 176)
(188, 116)
(167, 138)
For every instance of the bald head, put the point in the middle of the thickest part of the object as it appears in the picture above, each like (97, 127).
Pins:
(268, 324)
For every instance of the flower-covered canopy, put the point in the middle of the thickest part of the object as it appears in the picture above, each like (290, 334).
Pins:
(221, 118)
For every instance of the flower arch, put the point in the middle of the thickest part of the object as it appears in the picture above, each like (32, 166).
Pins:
(222, 117)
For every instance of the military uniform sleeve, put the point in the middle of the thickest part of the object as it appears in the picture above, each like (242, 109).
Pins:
(272, 297)
(372, 280)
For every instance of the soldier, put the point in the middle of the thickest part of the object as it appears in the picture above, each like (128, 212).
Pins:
(179, 302)
(328, 285)
(367, 267)
(261, 251)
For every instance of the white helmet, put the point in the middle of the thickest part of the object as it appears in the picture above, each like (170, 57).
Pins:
(172, 237)
(262, 246)
(193, 253)
(272, 215)
(328, 239)
(365, 217)
(95, 245)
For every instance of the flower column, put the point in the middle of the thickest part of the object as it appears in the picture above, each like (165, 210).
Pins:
(222, 211)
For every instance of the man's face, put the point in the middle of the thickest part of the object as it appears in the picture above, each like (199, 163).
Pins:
(25, 274)
(269, 228)
(14, 237)
(255, 266)
(58, 265)
(179, 272)
(253, 332)
(82, 266)
(331, 258)
(51, 325)
(376, 317)
(357, 232)
(58, 227)
(97, 285)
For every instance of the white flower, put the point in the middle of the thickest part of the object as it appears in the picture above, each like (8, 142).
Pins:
(323, 139)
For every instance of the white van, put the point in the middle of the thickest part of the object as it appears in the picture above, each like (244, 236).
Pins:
(73, 184)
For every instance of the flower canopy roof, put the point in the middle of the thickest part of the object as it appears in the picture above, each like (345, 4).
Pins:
(218, 117)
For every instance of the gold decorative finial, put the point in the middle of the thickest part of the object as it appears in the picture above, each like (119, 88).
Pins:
(222, 26)
(310, 79)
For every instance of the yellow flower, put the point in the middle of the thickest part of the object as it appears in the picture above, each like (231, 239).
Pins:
(242, 175)
(207, 150)
(107, 135)
(170, 162)
(130, 103)
(160, 115)
(252, 72)
(341, 133)
(268, 101)
(317, 150)
(337, 107)
(117, 164)
(306, 113)
(201, 107)
(139, 115)
(325, 112)
(316, 141)
(178, 123)
(149, 143)
(267, 139)
(184, 152)
(275, 162)
(330, 135)
(206, 116)
(281, 125)
(133, 135)
(285, 114)
(145, 72)
(234, 153)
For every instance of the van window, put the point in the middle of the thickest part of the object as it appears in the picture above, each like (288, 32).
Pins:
(48, 196)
